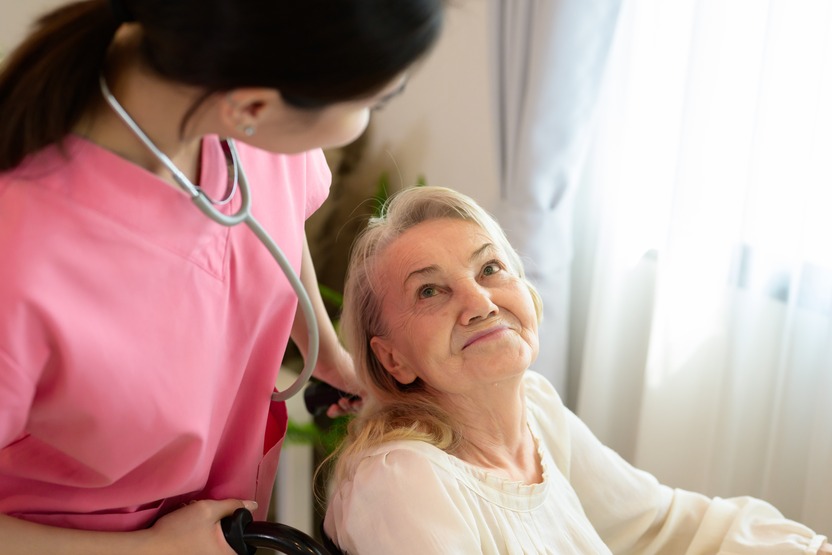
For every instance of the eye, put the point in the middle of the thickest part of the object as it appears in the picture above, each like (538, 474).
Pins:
(492, 268)
(427, 291)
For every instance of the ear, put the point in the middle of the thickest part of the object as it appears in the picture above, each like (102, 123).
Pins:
(245, 107)
(389, 358)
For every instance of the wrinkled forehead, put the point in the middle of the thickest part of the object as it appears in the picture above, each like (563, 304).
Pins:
(425, 244)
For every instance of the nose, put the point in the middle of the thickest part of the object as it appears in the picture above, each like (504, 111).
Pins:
(476, 303)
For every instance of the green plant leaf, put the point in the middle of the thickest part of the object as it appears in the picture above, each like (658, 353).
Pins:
(331, 296)
(309, 433)
(306, 433)
(336, 433)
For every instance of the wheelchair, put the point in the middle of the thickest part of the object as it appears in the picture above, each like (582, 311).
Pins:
(245, 535)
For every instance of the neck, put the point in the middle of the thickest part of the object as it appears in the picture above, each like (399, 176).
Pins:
(156, 105)
(495, 434)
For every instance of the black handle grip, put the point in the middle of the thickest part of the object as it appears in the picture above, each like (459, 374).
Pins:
(318, 396)
(284, 539)
(245, 536)
(234, 529)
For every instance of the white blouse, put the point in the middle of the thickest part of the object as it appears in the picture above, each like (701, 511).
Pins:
(408, 497)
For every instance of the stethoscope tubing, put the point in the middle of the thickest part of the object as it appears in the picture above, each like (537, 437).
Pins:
(242, 215)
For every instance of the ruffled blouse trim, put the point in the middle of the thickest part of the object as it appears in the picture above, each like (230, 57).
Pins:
(509, 494)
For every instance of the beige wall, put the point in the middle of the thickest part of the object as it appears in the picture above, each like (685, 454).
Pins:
(16, 17)
(443, 126)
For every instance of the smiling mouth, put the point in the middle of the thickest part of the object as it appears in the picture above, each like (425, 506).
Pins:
(483, 334)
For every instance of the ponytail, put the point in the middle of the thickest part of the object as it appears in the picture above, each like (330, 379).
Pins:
(47, 83)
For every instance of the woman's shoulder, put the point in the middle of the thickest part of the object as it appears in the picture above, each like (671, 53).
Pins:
(307, 171)
(405, 451)
(51, 162)
(400, 459)
(410, 469)
(540, 391)
(549, 418)
(309, 163)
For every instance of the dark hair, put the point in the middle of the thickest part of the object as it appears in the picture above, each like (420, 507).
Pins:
(315, 52)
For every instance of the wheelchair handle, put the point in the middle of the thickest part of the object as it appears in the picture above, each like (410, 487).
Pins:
(318, 396)
(245, 536)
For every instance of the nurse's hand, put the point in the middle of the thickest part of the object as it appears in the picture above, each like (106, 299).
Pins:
(344, 406)
(195, 528)
(321, 397)
(337, 370)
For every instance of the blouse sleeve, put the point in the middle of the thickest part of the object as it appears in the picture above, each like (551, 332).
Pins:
(400, 502)
(635, 514)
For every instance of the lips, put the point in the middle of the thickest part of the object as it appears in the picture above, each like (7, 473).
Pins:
(484, 333)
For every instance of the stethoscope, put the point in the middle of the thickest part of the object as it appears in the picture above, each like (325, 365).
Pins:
(208, 207)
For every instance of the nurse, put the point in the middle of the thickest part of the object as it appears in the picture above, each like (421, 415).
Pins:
(139, 340)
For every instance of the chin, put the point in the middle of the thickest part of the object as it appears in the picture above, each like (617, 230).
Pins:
(352, 129)
(529, 360)
(346, 139)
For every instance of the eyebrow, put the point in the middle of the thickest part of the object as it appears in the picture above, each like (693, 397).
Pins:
(433, 268)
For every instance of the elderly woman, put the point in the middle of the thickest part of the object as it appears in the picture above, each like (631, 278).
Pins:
(460, 449)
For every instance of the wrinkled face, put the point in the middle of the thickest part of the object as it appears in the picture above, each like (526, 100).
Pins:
(292, 130)
(458, 317)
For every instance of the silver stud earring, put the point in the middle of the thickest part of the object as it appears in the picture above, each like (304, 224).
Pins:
(249, 130)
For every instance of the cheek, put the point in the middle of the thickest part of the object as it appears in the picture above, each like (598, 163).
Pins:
(417, 335)
(525, 309)
(531, 326)
(349, 127)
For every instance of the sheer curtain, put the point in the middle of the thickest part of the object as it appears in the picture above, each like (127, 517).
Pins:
(703, 311)
(548, 58)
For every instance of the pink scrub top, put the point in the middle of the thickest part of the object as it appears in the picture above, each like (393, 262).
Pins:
(140, 341)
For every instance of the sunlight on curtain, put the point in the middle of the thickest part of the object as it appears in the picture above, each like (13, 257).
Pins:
(548, 61)
(707, 353)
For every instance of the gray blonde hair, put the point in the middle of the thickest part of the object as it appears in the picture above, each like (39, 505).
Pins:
(393, 410)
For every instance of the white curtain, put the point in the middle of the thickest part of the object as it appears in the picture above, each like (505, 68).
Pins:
(703, 325)
(549, 57)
